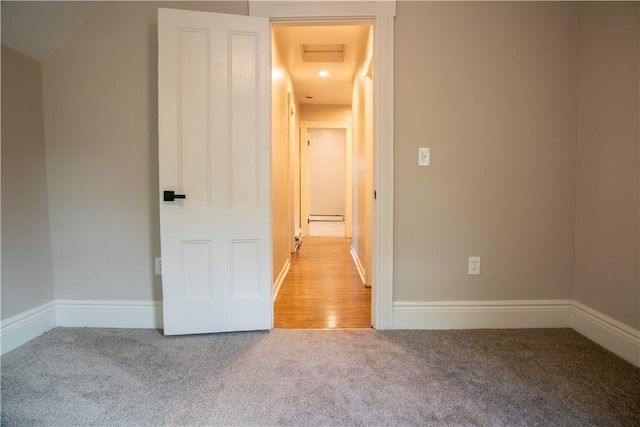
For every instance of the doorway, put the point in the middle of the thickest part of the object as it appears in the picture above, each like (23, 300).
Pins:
(321, 71)
(327, 150)
(326, 176)
(254, 46)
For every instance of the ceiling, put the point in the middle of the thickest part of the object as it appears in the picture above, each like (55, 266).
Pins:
(37, 28)
(334, 89)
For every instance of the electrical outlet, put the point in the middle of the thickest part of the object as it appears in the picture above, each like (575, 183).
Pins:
(474, 265)
(158, 266)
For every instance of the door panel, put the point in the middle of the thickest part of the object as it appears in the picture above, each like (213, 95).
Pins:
(244, 143)
(193, 147)
(196, 270)
(213, 119)
(245, 268)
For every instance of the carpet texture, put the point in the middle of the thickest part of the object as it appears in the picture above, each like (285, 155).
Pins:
(117, 377)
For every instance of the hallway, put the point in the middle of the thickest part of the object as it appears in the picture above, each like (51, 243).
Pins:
(323, 289)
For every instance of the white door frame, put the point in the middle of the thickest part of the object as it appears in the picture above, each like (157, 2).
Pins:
(305, 198)
(382, 14)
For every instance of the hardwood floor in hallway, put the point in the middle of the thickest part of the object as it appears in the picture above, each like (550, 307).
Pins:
(323, 288)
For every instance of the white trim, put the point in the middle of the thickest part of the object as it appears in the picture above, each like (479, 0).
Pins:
(359, 267)
(321, 8)
(109, 314)
(383, 13)
(383, 142)
(24, 327)
(482, 314)
(611, 334)
(607, 332)
(280, 279)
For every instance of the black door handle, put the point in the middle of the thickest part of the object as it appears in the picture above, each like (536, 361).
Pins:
(170, 196)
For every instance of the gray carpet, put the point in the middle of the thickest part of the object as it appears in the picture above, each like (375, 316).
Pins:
(116, 377)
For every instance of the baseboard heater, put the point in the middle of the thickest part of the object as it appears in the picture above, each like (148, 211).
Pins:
(298, 240)
(336, 218)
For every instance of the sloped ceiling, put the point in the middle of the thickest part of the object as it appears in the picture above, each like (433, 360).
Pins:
(37, 28)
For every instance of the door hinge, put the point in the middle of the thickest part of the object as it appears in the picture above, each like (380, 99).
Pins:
(308, 222)
(308, 142)
(375, 194)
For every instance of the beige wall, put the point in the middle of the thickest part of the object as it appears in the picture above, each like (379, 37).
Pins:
(325, 113)
(27, 280)
(492, 89)
(294, 135)
(362, 103)
(100, 109)
(281, 184)
(361, 227)
(497, 90)
(607, 233)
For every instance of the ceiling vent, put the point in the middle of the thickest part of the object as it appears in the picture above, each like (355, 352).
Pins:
(323, 52)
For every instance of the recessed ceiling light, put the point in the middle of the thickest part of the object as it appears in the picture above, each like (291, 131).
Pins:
(323, 73)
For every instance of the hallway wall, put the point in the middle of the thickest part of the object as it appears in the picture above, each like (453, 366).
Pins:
(362, 107)
(282, 152)
(325, 113)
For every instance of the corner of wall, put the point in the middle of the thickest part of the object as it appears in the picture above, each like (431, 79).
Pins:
(615, 336)
(26, 259)
(23, 327)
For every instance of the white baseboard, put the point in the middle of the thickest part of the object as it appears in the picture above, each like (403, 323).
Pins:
(358, 264)
(482, 314)
(616, 337)
(109, 314)
(24, 327)
(613, 335)
(281, 276)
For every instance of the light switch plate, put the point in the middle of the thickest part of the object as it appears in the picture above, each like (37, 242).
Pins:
(424, 156)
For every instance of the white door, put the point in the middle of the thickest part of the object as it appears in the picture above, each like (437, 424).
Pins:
(214, 148)
(327, 173)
